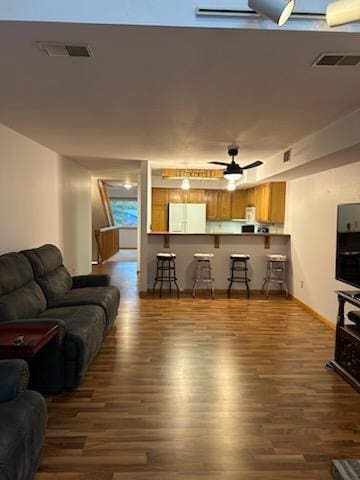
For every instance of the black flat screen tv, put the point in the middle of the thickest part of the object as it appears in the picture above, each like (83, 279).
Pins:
(348, 244)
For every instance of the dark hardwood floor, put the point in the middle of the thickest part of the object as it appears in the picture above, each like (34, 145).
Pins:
(204, 390)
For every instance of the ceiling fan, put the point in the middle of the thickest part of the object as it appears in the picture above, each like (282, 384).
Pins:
(234, 171)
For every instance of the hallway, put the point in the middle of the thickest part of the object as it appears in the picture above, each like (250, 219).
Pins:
(122, 268)
(204, 390)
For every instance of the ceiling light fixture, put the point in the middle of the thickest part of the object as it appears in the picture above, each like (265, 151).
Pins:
(232, 177)
(278, 11)
(127, 186)
(185, 184)
(231, 187)
(343, 12)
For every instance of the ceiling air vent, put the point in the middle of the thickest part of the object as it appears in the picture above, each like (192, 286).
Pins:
(65, 50)
(337, 60)
(287, 156)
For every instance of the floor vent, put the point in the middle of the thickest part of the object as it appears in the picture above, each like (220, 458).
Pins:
(65, 50)
(337, 60)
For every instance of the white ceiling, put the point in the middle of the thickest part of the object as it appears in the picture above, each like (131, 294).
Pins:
(119, 171)
(172, 95)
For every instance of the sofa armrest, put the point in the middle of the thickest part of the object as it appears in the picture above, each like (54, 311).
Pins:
(82, 281)
(14, 379)
(61, 324)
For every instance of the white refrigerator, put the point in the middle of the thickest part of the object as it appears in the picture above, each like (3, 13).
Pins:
(187, 217)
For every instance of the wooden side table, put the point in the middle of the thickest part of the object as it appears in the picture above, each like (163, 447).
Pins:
(347, 345)
(25, 340)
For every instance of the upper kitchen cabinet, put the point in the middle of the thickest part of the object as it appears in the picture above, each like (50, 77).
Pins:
(195, 196)
(238, 204)
(224, 205)
(250, 197)
(218, 204)
(160, 196)
(176, 195)
(270, 202)
(211, 198)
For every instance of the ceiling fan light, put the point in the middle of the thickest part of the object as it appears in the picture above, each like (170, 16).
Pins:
(185, 185)
(343, 12)
(231, 187)
(278, 11)
(232, 177)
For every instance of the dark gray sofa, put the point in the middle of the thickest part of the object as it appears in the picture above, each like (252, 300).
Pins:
(23, 418)
(35, 285)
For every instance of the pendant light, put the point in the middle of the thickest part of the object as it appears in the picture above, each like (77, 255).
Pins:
(231, 187)
(185, 185)
(278, 11)
(342, 12)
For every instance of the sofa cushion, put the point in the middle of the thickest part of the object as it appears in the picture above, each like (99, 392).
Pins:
(49, 270)
(106, 297)
(23, 425)
(20, 295)
(85, 327)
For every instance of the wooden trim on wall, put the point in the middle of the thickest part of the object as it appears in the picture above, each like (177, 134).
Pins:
(314, 313)
(106, 202)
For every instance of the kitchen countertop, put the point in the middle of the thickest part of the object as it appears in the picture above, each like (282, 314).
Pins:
(260, 234)
(218, 235)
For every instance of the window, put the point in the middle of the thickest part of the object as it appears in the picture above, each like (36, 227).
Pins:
(125, 212)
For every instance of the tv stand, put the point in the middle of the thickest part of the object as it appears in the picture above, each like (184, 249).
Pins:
(347, 345)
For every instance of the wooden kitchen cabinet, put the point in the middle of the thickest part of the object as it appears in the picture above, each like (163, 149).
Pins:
(176, 195)
(211, 197)
(250, 197)
(218, 204)
(270, 202)
(195, 196)
(224, 205)
(159, 221)
(238, 204)
(160, 196)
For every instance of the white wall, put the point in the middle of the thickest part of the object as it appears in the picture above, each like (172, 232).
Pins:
(43, 199)
(29, 193)
(311, 216)
(76, 216)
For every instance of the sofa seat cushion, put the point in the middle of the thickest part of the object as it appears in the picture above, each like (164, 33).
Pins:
(20, 296)
(23, 425)
(85, 327)
(105, 297)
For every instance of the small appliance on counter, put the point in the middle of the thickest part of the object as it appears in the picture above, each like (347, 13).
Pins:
(263, 230)
(250, 215)
(248, 229)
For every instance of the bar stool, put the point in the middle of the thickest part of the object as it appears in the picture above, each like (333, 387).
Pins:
(166, 272)
(239, 263)
(275, 273)
(203, 272)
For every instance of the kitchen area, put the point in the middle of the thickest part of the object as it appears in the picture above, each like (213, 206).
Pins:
(215, 220)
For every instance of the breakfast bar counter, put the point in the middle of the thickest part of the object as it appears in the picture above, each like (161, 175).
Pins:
(216, 235)
(222, 245)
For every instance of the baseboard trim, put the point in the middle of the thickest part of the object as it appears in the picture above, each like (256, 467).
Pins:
(314, 313)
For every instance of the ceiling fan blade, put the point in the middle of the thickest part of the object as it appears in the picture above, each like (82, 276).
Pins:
(252, 165)
(220, 163)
